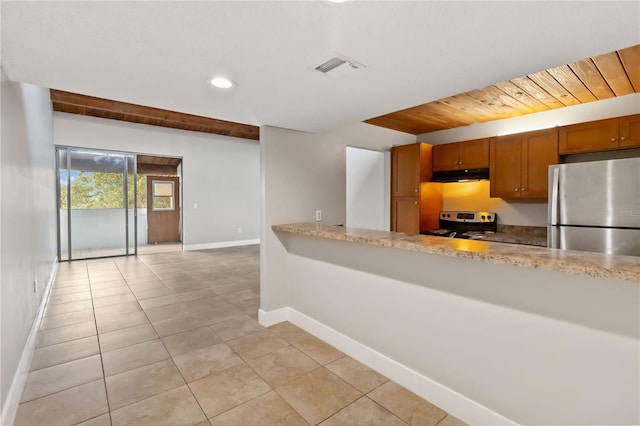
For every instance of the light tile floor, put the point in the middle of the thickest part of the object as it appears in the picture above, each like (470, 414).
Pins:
(173, 339)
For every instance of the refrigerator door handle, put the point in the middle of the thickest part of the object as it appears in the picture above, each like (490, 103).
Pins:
(555, 183)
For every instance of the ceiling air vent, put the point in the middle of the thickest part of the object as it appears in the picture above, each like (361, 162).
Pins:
(338, 67)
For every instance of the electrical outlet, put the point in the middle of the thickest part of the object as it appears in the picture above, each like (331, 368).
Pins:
(35, 286)
(318, 215)
(239, 230)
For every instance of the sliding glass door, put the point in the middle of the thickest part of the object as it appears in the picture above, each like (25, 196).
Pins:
(96, 203)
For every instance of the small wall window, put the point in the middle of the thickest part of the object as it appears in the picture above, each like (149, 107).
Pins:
(163, 195)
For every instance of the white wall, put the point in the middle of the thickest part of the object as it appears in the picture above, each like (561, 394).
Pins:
(368, 188)
(301, 173)
(27, 223)
(221, 175)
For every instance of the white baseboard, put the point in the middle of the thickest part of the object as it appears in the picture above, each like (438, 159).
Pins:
(452, 402)
(10, 406)
(223, 244)
(267, 319)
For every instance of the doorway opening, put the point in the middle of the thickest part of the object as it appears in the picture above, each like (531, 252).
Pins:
(116, 203)
(160, 211)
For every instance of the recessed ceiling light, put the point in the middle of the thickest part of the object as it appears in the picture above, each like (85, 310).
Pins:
(222, 83)
(337, 1)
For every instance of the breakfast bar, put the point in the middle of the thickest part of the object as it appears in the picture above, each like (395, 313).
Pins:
(494, 333)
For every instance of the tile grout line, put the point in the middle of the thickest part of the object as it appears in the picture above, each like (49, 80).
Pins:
(104, 376)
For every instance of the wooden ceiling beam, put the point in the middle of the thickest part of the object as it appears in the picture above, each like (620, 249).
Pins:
(105, 108)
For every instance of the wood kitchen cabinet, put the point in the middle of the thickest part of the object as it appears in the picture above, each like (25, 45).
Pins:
(405, 215)
(520, 164)
(410, 165)
(600, 135)
(415, 202)
(472, 154)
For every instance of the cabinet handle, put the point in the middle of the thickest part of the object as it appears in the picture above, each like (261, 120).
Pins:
(516, 189)
(415, 202)
(623, 138)
(614, 139)
(415, 190)
(460, 163)
(523, 189)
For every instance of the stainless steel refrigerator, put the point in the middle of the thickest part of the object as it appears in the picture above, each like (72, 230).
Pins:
(595, 206)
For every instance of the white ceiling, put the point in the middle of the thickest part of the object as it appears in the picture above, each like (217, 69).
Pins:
(161, 53)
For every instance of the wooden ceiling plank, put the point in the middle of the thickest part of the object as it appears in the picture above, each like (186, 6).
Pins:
(590, 76)
(166, 118)
(416, 117)
(441, 115)
(532, 90)
(419, 122)
(521, 96)
(555, 89)
(630, 58)
(439, 107)
(509, 100)
(613, 72)
(469, 104)
(415, 120)
(564, 76)
(494, 104)
(457, 104)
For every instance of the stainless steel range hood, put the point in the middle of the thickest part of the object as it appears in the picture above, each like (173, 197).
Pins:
(461, 175)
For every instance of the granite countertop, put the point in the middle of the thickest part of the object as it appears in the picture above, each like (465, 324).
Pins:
(626, 268)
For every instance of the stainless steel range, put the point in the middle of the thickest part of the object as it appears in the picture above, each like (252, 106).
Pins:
(467, 225)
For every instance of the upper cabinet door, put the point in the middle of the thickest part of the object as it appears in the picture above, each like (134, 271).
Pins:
(630, 131)
(539, 151)
(446, 157)
(405, 170)
(592, 136)
(474, 154)
(506, 158)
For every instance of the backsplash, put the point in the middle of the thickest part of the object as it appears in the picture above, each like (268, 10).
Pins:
(533, 231)
(475, 196)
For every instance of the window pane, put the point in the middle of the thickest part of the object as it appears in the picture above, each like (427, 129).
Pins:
(163, 203)
(163, 189)
(163, 195)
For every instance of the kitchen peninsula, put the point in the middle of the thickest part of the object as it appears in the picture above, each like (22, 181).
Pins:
(494, 333)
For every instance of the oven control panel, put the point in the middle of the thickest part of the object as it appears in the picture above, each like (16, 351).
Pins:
(467, 216)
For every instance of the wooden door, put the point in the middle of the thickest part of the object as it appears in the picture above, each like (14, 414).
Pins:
(629, 131)
(592, 136)
(539, 151)
(406, 215)
(474, 154)
(505, 170)
(446, 157)
(405, 170)
(163, 209)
